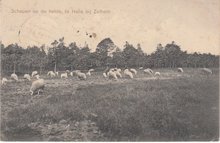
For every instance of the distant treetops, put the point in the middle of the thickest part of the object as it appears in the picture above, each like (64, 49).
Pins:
(60, 56)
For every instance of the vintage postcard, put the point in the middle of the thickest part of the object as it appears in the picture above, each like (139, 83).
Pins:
(109, 70)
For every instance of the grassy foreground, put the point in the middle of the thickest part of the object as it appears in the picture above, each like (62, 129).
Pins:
(178, 109)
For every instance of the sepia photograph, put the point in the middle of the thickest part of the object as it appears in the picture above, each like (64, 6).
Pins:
(109, 70)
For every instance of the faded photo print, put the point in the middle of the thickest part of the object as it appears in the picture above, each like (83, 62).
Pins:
(109, 70)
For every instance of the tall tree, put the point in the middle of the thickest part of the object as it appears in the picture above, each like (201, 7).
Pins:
(130, 54)
(54, 54)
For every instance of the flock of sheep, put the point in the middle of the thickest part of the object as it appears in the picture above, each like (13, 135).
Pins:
(38, 83)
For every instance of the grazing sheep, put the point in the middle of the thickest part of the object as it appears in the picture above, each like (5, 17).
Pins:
(112, 74)
(180, 70)
(206, 71)
(140, 68)
(148, 71)
(118, 72)
(48, 73)
(106, 72)
(34, 73)
(4, 80)
(157, 74)
(37, 85)
(64, 75)
(89, 72)
(105, 75)
(80, 75)
(51, 74)
(128, 73)
(27, 76)
(118, 69)
(133, 71)
(71, 73)
(75, 71)
(14, 77)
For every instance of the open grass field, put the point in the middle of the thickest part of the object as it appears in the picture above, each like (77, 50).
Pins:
(176, 107)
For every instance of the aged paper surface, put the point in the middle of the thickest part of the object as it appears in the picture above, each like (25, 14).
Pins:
(145, 22)
(110, 70)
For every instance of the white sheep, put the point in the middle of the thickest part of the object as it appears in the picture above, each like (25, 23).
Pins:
(206, 71)
(133, 71)
(37, 85)
(140, 68)
(27, 76)
(118, 72)
(157, 74)
(128, 73)
(48, 73)
(89, 72)
(112, 74)
(74, 72)
(71, 73)
(4, 80)
(14, 77)
(80, 75)
(180, 69)
(148, 71)
(118, 69)
(105, 75)
(64, 75)
(34, 73)
(51, 74)
(106, 72)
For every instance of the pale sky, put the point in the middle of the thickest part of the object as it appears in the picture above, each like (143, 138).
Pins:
(193, 24)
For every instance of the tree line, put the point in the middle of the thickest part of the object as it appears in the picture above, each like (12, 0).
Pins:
(60, 57)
